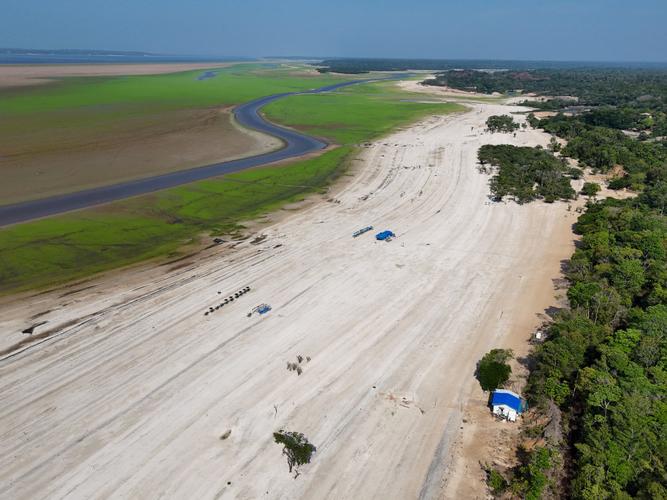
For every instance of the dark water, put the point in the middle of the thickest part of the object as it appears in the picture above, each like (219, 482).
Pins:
(295, 145)
(207, 75)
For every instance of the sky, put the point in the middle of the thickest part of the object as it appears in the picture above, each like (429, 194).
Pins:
(581, 30)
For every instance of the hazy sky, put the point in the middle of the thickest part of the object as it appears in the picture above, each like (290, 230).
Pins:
(618, 30)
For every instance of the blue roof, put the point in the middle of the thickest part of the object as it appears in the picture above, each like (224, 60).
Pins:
(384, 235)
(508, 398)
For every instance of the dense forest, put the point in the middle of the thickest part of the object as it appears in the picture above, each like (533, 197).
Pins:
(601, 374)
(644, 89)
(526, 174)
(353, 65)
(594, 139)
(605, 362)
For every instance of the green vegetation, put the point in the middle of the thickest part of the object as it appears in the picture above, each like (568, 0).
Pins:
(61, 248)
(619, 99)
(90, 131)
(530, 479)
(590, 188)
(93, 107)
(131, 94)
(526, 173)
(296, 448)
(591, 86)
(501, 123)
(365, 65)
(602, 148)
(495, 481)
(493, 371)
(604, 362)
(601, 374)
(353, 114)
(360, 65)
(606, 359)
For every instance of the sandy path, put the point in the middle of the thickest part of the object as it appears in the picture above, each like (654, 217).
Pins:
(130, 400)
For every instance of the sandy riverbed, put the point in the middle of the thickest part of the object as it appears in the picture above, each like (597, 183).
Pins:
(53, 161)
(131, 395)
(21, 75)
(81, 148)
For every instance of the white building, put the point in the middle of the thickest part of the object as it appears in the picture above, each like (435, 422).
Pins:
(506, 404)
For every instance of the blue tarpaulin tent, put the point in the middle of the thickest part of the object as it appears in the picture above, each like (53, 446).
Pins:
(384, 235)
(506, 404)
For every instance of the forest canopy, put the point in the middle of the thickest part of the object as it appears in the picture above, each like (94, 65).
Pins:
(526, 174)
(638, 88)
(501, 123)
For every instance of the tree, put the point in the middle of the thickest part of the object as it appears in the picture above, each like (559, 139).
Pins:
(599, 387)
(656, 196)
(296, 448)
(493, 370)
(628, 277)
(590, 189)
(526, 173)
(501, 123)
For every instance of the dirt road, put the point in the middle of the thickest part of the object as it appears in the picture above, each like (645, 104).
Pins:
(130, 396)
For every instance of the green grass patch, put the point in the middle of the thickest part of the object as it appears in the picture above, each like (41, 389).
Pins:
(353, 114)
(52, 116)
(232, 85)
(58, 249)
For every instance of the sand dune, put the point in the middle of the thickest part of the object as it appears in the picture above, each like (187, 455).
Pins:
(129, 398)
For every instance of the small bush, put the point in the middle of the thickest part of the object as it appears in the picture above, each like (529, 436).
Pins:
(575, 173)
(493, 370)
(296, 448)
(495, 481)
(620, 182)
(590, 189)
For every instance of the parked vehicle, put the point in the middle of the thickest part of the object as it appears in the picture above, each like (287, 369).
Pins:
(362, 231)
(260, 309)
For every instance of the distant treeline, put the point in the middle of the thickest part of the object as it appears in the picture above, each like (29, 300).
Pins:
(639, 88)
(364, 65)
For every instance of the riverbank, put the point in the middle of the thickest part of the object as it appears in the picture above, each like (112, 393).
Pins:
(82, 133)
(392, 330)
(51, 251)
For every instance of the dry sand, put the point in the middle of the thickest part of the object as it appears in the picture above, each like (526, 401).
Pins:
(442, 91)
(21, 75)
(130, 394)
